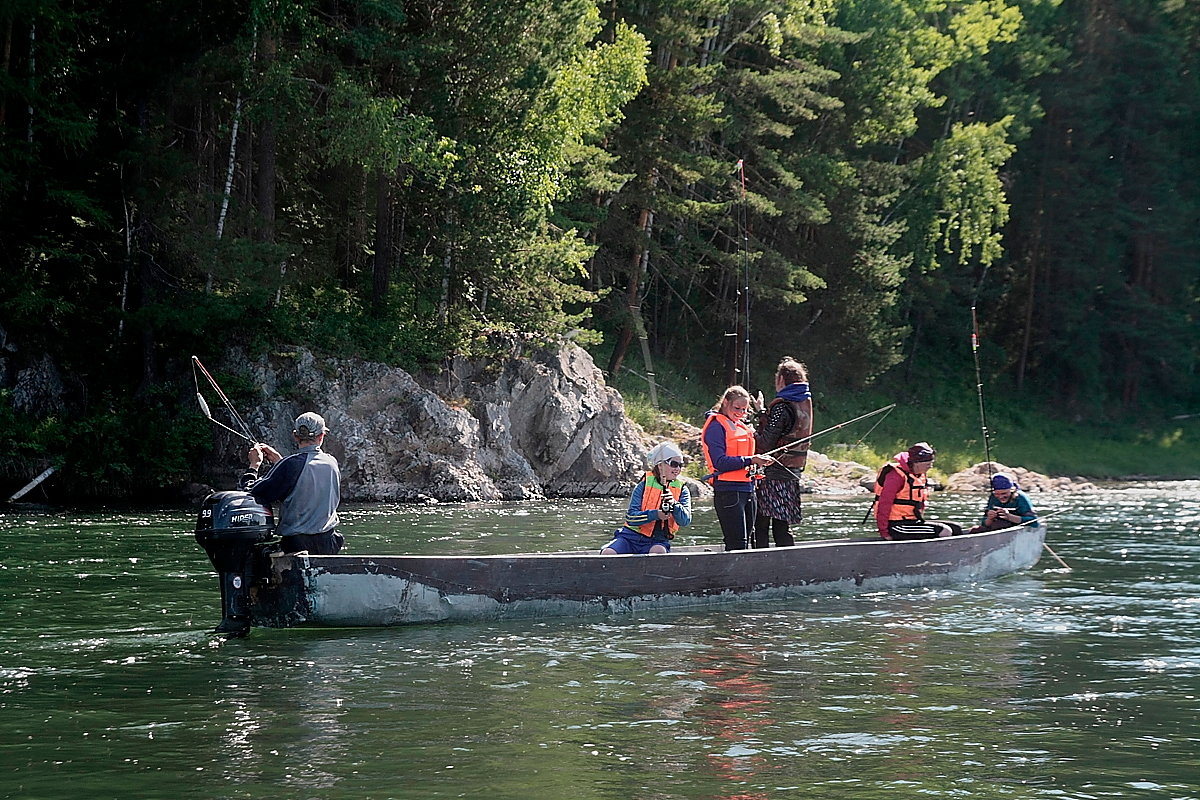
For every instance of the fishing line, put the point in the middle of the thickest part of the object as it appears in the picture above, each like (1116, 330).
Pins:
(245, 432)
(812, 436)
(862, 439)
(204, 408)
(839, 426)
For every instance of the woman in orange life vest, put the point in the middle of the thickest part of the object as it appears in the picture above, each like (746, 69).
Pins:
(728, 445)
(788, 419)
(659, 506)
(900, 495)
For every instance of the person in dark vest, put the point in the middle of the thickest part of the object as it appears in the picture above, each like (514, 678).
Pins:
(1007, 506)
(788, 419)
(307, 487)
(659, 506)
(728, 445)
(900, 495)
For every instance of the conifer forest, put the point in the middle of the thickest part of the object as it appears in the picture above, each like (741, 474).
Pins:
(708, 184)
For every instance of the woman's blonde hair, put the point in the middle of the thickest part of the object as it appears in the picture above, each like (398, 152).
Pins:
(730, 394)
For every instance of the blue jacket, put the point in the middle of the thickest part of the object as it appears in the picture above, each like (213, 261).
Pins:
(716, 446)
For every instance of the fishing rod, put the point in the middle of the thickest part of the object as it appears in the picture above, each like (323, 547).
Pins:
(1037, 521)
(839, 426)
(245, 432)
(745, 245)
(987, 447)
(812, 436)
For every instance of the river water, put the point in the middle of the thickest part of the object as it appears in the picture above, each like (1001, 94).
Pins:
(1045, 684)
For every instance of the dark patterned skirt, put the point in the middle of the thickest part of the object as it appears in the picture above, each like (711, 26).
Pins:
(779, 500)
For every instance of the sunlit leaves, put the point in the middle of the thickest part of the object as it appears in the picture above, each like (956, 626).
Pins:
(962, 174)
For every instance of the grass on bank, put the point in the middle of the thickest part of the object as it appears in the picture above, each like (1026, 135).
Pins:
(1018, 435)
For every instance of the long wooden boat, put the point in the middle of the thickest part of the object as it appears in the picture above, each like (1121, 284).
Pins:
(359, 590)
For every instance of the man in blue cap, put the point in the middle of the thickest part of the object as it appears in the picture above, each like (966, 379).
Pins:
(1007, 506)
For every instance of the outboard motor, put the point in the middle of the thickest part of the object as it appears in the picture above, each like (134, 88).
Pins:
(236, 531)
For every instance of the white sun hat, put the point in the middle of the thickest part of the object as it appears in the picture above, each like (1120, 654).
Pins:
(663, 451)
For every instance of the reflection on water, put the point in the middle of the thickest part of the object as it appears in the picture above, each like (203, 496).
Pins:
(1046, 684)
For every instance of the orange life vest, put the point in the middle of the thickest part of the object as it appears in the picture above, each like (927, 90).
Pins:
(739, 441)
(911, 496)
(652, 500)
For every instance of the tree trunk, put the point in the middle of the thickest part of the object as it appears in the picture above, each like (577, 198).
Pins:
(265, 173)
(266, 182)
(447, 268)
(641, 258)
(381, 266)
(146, 292)
(5, 61)
(1035, 253)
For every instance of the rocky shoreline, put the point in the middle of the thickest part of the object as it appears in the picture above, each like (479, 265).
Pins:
(524, 427)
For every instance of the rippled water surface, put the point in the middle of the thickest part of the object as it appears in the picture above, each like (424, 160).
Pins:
(1045, 684)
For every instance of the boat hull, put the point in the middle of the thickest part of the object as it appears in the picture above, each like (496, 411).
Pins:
(367, 591)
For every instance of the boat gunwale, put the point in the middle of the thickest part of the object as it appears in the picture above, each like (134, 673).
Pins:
(372, 591)
(683, 550)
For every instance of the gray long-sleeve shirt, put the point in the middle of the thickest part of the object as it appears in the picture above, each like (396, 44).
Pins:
(307, 486)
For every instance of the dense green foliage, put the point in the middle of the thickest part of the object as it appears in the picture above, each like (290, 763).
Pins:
(709, 184)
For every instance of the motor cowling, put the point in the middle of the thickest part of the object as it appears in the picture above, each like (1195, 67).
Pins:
(236, 531)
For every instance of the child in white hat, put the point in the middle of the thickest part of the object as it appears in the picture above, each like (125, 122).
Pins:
(659, 506)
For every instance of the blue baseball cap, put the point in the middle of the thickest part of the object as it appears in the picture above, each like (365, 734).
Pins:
(1002, 481)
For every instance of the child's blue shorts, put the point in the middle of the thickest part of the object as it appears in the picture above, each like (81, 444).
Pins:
(627, 541)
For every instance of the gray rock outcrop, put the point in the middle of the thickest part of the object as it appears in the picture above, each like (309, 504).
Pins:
(977, 479)
(38, 388)
(519, 429)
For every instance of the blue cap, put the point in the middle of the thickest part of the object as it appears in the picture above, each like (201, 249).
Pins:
(1002, 481)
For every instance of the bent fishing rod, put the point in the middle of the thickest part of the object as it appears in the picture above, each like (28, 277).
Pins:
(245, 431)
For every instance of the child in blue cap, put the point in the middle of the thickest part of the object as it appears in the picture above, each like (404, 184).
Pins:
(1007, 506)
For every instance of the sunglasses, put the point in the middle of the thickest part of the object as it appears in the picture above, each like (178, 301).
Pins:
(674, 463)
